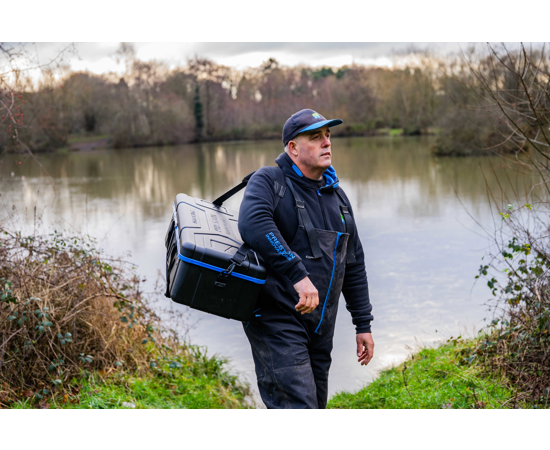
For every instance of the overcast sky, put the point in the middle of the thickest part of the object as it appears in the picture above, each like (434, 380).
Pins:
(100, 57)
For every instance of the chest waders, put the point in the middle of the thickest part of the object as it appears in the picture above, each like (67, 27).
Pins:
(291, 350)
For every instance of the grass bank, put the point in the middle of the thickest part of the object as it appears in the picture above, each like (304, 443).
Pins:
(190, 382)
(443, 377)
(76, 331)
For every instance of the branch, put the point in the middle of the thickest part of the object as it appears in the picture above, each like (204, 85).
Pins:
(70, 47)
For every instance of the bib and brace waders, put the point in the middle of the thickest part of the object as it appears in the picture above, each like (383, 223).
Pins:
(291, 350)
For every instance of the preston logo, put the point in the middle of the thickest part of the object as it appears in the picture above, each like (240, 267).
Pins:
(317, 115)
(279, 247)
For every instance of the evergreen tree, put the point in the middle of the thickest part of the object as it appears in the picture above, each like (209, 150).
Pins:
(197, 111)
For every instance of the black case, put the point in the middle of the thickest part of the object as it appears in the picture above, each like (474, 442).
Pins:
(201, 243)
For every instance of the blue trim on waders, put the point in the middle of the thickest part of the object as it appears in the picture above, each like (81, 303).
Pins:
(330, 284)
(209, 266)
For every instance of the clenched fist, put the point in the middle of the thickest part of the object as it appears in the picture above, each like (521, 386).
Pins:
(309, 297)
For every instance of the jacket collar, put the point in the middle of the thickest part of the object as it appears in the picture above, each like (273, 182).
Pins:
(329, 182)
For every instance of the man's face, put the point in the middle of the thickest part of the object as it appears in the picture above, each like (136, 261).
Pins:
(313, 149)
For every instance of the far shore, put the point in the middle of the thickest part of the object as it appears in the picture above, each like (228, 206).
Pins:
(83, 143)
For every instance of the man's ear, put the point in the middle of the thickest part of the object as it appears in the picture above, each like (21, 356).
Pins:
(293, 148)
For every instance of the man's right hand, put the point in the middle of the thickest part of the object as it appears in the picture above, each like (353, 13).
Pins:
(309, 297)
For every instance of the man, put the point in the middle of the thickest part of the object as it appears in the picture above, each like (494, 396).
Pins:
(300, 221)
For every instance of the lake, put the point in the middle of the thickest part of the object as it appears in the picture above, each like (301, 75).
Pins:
(420, 219)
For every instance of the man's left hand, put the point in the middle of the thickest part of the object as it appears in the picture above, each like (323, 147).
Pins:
(365, 348)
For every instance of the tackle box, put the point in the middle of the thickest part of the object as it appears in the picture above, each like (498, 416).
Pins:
(207, 266)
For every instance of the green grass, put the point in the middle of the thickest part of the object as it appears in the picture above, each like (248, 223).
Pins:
(152, 392)
(197, 381)
(111, 392)
(390, 131)
(80, 139)
(74, 140)
(442, 377)
(435, 130)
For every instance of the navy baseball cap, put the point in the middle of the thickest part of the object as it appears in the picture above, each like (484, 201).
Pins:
(305, 120)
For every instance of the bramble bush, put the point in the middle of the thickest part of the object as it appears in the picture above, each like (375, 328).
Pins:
(517, 342)
(67, 311)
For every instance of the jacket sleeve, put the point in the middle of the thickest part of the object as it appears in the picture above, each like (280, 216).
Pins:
(356, 289)
(259, 230)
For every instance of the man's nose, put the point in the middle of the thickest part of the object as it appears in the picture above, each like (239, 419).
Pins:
(326, 141)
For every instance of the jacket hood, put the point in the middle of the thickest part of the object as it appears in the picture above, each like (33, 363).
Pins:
(292, 171)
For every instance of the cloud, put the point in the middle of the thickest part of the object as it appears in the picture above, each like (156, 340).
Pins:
(100, 57)
(318, 50)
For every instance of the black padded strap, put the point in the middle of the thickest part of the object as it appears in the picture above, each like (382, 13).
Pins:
(303, 219)
(350, 229)
(279, 189)
(171, 257)
(278, 184)
(236, 260)
(240, 256)
(222, 198)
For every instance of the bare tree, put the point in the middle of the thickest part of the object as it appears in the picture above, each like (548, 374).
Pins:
(512, 86)
(16, 62)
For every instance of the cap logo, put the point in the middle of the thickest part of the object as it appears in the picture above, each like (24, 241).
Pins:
(316, 115)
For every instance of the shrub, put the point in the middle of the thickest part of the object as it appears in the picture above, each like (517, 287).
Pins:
(518, 342)
(68, 311)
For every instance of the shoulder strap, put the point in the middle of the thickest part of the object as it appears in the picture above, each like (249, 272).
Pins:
(303, 219)
(278, 184)
(350, 229)
(222, 198)
(242, 253)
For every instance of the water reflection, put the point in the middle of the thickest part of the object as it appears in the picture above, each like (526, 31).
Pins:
(413, 214)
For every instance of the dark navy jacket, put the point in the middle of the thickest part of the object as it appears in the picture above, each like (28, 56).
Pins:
(257, 219)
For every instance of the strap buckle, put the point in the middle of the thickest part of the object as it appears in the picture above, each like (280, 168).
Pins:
(235, 263)
(224, 275)
(300, 204)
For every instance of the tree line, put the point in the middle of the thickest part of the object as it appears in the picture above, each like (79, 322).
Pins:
(151, 104)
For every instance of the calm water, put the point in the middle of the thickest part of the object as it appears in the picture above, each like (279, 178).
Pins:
(416, 216)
